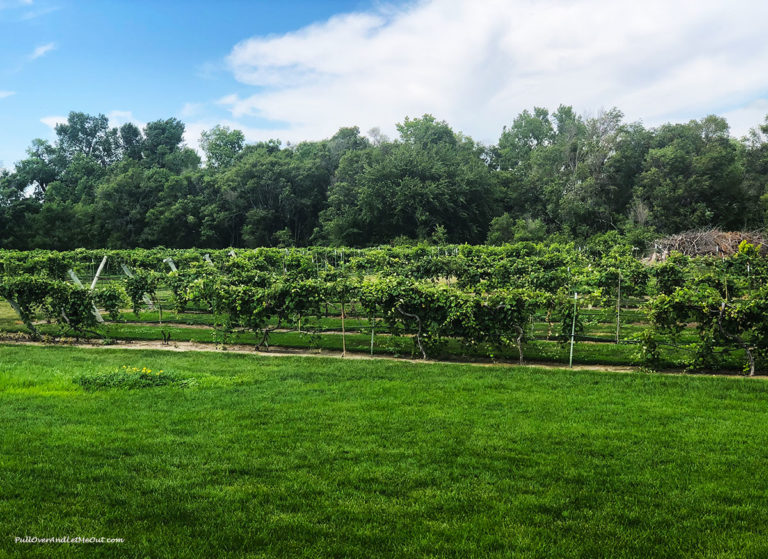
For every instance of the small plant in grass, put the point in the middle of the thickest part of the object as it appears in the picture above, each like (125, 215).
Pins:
(130, 378)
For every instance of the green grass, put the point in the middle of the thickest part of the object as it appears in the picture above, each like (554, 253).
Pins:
(314, 457)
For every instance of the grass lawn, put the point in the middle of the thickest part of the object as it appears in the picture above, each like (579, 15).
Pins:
(316, 457)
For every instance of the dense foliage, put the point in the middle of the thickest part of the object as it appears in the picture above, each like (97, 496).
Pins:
(549, 174)
(482, 297)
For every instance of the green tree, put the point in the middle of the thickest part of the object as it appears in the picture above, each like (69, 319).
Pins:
(221, 146)
(78, 182)
(431, 177)
(44, 165)
(755, 150)
(507, 229)
(266, 191)
(344, 141)
(124, 201)
(162, 138)
(89, 136)
(693, 177)
(131, 141)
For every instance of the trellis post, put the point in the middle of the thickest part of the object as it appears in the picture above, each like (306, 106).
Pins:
(98, 272)
(373, 328)
(618, 309)
(573, 330)
(171, 264)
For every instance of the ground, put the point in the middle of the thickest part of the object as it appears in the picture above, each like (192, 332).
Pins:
(322, 457)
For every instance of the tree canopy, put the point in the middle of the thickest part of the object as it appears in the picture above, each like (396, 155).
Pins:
(550, 173)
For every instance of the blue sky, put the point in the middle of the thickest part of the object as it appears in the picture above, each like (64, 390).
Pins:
(298, 70)
(147, 58)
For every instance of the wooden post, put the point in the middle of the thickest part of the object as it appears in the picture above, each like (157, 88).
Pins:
(531, 325)
(343, 333)
(618, 310)
(573, 330)
(373, 328)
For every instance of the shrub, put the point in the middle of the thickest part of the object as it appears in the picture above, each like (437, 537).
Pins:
(130, 378)
(111, 298)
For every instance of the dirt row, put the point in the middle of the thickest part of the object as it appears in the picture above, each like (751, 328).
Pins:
(276, 351)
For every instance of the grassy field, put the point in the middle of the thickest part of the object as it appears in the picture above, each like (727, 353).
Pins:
(314, 457)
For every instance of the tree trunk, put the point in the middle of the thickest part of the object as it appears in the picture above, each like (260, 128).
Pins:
(519, 341)
(418, 332)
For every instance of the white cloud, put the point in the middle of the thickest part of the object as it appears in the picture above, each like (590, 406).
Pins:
(36, 13)
(118, 118)
(7, 4)
(191, 110)
(479, 63)
(25, 10)
(746, 117)
(42, 50)
(193, 130)
(52, 121)
(4, 94)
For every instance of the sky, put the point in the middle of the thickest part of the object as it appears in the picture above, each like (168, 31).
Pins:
(299, 70)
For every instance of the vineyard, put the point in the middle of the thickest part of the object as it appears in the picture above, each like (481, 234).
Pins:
(187, 453)
(522, 302)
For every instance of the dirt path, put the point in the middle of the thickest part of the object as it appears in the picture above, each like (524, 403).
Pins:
(276, 351)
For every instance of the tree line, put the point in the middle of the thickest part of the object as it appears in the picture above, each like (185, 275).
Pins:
(556, 175)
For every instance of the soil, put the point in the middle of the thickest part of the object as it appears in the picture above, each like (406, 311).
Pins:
(276, 351)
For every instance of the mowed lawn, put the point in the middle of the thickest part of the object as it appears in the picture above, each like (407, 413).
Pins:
(316, 457)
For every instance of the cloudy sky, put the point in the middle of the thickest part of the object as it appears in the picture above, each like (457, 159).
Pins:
(298, 70)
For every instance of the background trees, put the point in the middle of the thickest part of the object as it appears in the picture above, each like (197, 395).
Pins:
(431, 177)
(693, 177)
(550, 173)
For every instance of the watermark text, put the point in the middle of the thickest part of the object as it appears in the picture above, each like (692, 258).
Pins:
(67, 539)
